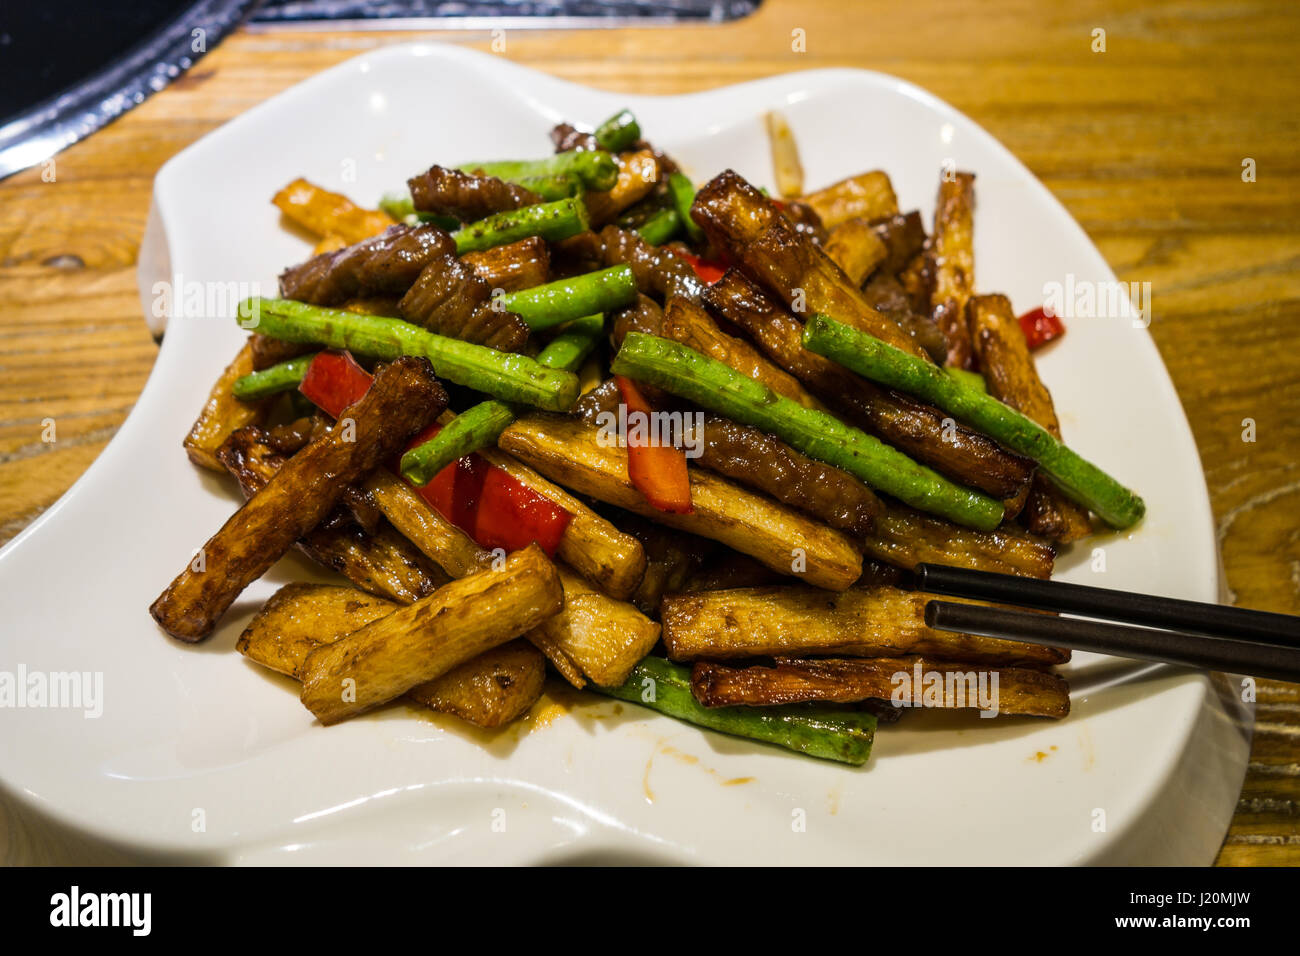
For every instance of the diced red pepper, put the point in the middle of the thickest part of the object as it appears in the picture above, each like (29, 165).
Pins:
(657, 471)
(1040, 327)
(487, 503)
(334, 381)
(707, 272)
(492, 506)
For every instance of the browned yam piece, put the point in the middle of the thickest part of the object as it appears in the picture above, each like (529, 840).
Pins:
(906, 538)
(904, 238)
(742, 221)
(569, 452)
(329, 244)
(591, 545)
(643, 315)
(512, 267)
(301, 617)
(404, 397)
(223, 414)
(954, 263)
(865, 196)
(917, 279)
(604, 637)
(289, 439)
(915, 429)
(468, 197)
(671, 557)
(786, 166)
(638, 173)
(686, 322)
(425, 640)
(436, 537)
(856, 248)
(658, 271)
(805, 220)
(796, 620)
(489, 690)
(324, 213)
(1011, 377)
(449, 298)
(756, 459)
(448, 546)
(383, 265)
(381, 562)
(906, 681)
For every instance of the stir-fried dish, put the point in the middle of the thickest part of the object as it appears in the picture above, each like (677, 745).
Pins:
(676, 446)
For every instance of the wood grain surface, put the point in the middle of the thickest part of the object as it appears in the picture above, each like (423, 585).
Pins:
(1144, 143)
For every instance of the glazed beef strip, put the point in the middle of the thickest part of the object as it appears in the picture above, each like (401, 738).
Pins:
(449, 192)
(404, 397)
(903, 235)
(385, 265)
(888, 297)
(764, 244)
(915, 429)
(450, 298)
(512, 267)
(643, 315)
(382, 562)
(566, 136)
(658, 272)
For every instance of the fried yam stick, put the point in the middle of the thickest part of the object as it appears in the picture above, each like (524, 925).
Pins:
(954, 263)
(945, 684)
(604, 637)
(381, 561)
(638, 173)
(865, 196)
(223, 414)
(325, 214)
(570, 453)
(489, 690)
(795, 620)
(1011, 377)
(425, 640)
(742, 221)
(920, 431)
(856, 247)
(514, 266)
(404, 397)
(905, 538)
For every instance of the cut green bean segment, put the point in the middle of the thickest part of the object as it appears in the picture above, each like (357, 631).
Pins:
(595, 168)
(271, 381)
(720, 388)
(619, 132)
(552, 221)
(1078, 479)
(467, 432)
(551, 188)
(660, 227)
(968, 378)
(401, 208)
(483, 424)
(566, 299)
(815, 730)
(504, 375)
(682, 191)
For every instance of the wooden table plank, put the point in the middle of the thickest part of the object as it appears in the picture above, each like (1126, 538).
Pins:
(1143, 143)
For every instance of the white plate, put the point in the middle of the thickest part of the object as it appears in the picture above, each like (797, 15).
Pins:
(197, 734)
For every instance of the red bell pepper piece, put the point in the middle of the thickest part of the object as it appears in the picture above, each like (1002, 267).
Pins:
(492, 506)
(1040, 327)
(706, 271)
(657, 471)
(334, 381)
(487, 503)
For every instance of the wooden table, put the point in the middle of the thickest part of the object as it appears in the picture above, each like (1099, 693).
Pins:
(1144, 143)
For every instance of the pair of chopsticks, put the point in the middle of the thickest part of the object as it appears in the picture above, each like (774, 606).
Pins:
(1191, 633)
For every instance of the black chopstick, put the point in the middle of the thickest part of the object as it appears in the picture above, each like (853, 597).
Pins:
(1193, 617)
(1234, 656)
